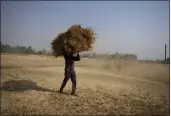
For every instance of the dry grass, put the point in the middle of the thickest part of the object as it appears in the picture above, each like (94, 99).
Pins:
(75, 39)
(149, 71)
(29, 85)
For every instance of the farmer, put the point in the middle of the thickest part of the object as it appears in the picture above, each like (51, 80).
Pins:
(69, 71)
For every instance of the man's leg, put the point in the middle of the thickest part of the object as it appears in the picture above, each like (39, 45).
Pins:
(73, 79)
(66, 78)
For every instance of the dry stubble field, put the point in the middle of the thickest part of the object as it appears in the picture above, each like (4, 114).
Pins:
(29, 85)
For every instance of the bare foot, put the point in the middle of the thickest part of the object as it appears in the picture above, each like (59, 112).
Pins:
(60, 91)
(73, 94)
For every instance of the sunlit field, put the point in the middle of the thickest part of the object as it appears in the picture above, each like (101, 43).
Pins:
(29, 86)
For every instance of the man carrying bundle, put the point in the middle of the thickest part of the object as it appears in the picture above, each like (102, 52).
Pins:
(69, 71)
(76, 39)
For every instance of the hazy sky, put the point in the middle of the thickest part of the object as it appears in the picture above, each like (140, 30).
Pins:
(140, 27)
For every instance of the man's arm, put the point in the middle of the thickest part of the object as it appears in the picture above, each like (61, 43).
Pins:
(76, 57)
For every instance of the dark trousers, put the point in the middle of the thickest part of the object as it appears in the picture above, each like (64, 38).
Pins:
(68, 75)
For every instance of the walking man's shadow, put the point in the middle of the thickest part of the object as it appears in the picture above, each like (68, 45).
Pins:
(22, 85)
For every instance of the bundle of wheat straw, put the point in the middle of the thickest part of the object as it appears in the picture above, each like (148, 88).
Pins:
(75, 39)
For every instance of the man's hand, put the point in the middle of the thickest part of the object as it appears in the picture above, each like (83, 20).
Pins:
(76, 57)
(75, 54)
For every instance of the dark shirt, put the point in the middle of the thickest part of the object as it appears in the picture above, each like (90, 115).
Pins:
(69, 61)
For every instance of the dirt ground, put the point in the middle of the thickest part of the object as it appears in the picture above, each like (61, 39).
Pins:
(29, 86)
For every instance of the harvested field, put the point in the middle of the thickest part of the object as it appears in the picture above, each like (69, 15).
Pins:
(29, 86)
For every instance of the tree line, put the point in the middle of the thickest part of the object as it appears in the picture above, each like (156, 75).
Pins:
(116, 56)
(5, 48)
(123, 56)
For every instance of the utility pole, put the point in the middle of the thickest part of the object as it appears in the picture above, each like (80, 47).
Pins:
(165, 53)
